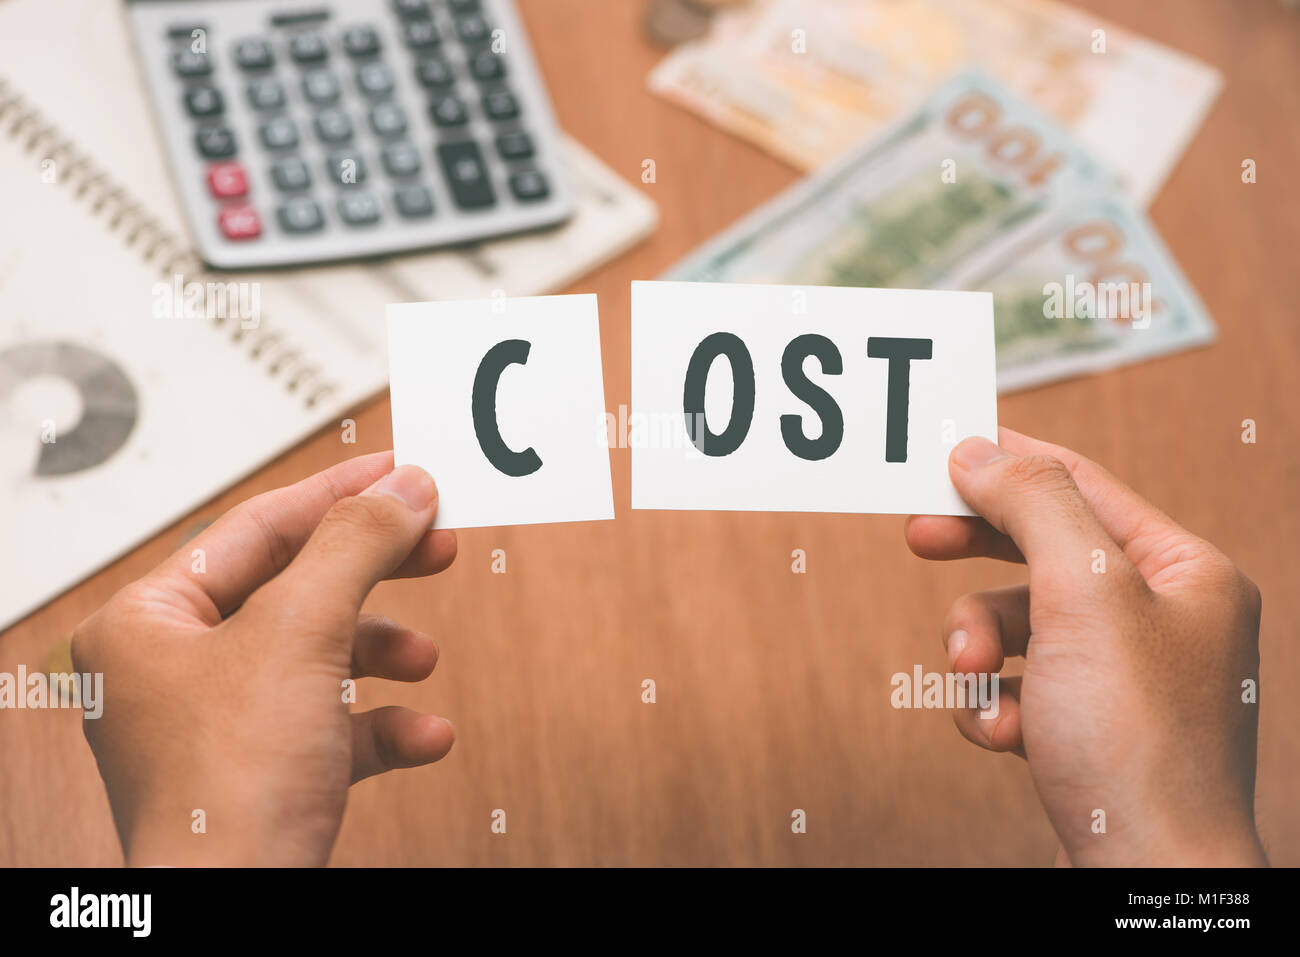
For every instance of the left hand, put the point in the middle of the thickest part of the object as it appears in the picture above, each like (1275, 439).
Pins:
(224, 677)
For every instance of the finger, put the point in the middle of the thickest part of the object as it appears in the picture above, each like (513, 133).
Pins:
(983, 628)
(392, 737)
(994, 728)
(1036, 502)
(252, 542)
(946, 537)
(1147, 535)
(435, 551)
(381, 648)
(360, 541)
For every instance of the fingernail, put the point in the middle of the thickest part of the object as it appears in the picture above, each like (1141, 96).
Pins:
(988, 724)
(975, 453)
(956, 644)
(410, 484)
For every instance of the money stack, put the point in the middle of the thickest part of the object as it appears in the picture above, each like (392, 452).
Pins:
(977, 186)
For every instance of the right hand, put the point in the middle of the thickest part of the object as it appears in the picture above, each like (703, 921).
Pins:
(1131, 701)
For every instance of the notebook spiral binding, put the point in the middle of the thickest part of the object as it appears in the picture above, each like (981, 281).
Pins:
(157, 245)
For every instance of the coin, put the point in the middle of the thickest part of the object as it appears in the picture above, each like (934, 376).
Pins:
(670, 22)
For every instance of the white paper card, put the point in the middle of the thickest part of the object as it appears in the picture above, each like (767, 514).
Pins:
(528, 371)
(947, 396)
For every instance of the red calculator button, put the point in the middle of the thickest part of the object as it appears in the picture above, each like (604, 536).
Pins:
(227, 180)
(240, 222)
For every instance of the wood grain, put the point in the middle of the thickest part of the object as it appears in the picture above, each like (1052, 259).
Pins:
(773, 688)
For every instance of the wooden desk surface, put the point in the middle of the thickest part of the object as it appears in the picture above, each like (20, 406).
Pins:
(773, 688)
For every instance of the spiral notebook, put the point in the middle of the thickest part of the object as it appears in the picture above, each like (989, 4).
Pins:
(125, 401)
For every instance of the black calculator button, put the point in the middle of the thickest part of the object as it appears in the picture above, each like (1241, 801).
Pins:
(333, 126)
(463, 165)
(254, 54)
(463, 6)
(266, 94)
(486, 65)
(308, 47)
(412, 8)
(204, 101)
(434, 71)
(375, 79)
(387, 119)
(359, 209)
(320, 86)
(421, 34)
(215, 142)
(290, 174)
(360, 41)
(449, 111)
(300, 215)
(529, 185)
(413, 201)
(500, 105)
(472, 28)
(279, 133)
(346, 167)
(515, 145)
(189, 63)
(401, 159)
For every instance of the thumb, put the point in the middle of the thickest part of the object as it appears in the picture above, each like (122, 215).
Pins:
(1034, 500)
(360, 541)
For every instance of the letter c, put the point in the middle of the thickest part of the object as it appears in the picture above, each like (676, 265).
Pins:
(484, 403)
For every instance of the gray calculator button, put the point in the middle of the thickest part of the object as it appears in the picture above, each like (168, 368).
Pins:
(333, 126)
(448, 111)
(412, 8)
(308, 47)
(375, 79)
(401, 159)
(463, 6)
(215, 142)
(500, 105)
(462, 164)
(291, 173)
(413, 201)
(434, 71)
(300, 215)
(387, 119)
(204, 101)
(360, 41)
(188, 63)
(359, 209)
(421, 34)
(515, 145)
(472, 28)
(266, 94)
(529, 185)
(279, 133)
(346, 167)
(486, 65)
(320, 86)
(254, 54)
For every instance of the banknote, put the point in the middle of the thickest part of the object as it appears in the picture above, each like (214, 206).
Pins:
(977, 190)
(1093, 287)
(805, 79)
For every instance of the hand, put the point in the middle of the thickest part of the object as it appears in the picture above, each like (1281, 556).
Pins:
(224, 686)
(1131, 701)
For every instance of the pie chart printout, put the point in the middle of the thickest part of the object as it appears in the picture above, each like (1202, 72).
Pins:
(108, 400)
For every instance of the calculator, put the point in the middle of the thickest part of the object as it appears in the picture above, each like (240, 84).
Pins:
(304, 132)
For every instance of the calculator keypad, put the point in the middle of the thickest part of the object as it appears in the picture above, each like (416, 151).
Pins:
(361, 127)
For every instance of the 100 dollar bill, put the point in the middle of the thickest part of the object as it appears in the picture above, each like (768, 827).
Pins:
(977, 190)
